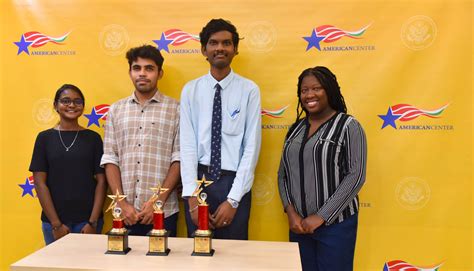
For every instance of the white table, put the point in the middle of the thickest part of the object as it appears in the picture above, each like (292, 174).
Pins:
(86, 252)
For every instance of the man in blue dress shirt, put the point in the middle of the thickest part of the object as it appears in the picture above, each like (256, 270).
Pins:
(220, 136)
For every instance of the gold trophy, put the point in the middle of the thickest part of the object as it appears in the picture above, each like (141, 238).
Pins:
(203, 235)
(158, 236)
(117, 242)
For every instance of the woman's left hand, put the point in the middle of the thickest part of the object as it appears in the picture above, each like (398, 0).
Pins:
(311, 223)
(88, 229)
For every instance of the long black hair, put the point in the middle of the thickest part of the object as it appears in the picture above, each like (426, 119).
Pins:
(329, 82)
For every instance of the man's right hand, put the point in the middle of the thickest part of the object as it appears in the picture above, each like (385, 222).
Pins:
(295, 220)
(129, 213)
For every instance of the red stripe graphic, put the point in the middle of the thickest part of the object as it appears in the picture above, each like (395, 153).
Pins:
(178, 36)
(102, 109)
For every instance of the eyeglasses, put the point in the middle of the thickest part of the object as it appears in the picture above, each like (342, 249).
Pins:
(67, 101)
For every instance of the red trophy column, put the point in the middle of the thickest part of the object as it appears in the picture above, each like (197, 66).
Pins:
(203, 217)
(158, 220)
(117, 224)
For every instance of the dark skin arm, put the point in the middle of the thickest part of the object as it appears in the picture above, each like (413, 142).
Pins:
(193, 204)
(295, 220)
(130, 214)
(311, 223)
(99, 197)
(46, 202)
(171, 181)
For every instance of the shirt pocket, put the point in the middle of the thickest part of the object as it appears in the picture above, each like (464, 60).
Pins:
(330, 145)
(233, 119)
(161, 130)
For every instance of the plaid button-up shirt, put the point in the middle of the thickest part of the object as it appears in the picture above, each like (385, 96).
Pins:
(143, 141)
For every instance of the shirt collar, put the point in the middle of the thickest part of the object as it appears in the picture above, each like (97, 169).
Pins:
(158, 97)
(224, 82)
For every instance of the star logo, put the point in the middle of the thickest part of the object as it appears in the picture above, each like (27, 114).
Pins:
(313, 40)
(28, 187)
(93, 118)
(163, 43)
(389, 118)
(23, 45)
(98, 112)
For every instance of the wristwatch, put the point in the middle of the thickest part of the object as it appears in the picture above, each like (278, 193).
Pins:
(92, 223)
(233, 203)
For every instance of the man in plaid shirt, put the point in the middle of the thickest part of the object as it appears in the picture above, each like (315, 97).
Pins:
(141, 146)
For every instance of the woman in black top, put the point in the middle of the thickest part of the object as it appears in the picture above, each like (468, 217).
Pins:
(321, 171)
(69, 182)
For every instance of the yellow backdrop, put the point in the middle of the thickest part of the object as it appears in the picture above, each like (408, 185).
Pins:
(404, 67)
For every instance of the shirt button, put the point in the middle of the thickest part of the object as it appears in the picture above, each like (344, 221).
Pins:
(139, 145)
(140, 127)
(143, 111)
(136, 196)
(138, 181)
(138, 162)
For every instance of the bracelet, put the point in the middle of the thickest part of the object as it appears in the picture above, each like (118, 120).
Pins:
(57, 227)
(193, 209)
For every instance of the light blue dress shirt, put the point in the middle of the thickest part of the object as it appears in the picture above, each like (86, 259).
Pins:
(241, 130)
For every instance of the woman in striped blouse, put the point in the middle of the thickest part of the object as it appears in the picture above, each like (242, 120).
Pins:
(321, 171)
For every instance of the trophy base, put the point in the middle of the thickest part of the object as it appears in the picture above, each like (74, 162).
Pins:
(167, 251)
(203, 244)
(124, 252)
(158, 243)
(211, 253)
(117, 242)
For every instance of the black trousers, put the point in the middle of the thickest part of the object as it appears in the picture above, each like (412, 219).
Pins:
(216, 194)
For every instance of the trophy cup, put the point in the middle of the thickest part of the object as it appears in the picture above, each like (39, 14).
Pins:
(117, 242)
(202, 236)
(158, 236)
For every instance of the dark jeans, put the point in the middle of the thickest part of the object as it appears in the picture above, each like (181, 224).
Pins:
(216, 194)
(171, 223)
(73, 227)
(329, 247)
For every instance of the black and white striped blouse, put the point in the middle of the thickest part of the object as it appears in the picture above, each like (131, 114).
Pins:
(322, 174)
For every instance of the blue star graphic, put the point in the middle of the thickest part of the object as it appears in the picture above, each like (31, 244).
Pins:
(163, 43)
(389, 118)
(93, 118)
(313, 40)
(27, 188)
(23, 45)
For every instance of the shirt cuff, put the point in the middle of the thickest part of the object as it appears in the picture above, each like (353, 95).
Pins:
(109, 159)
(188, 190)
(175, 157)
(235, 195)
(325, 216)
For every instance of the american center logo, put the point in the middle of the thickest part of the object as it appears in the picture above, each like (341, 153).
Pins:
(176, 37)
(407, 112)
(35, 39)
(330, 34)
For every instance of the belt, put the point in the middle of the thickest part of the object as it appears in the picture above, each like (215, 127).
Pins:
(205, 169)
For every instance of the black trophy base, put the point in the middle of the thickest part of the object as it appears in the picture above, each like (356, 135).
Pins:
(117, 242)
(158, 243)
(124, 252)
(203, 244)
(203, 253)
(159, 253)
